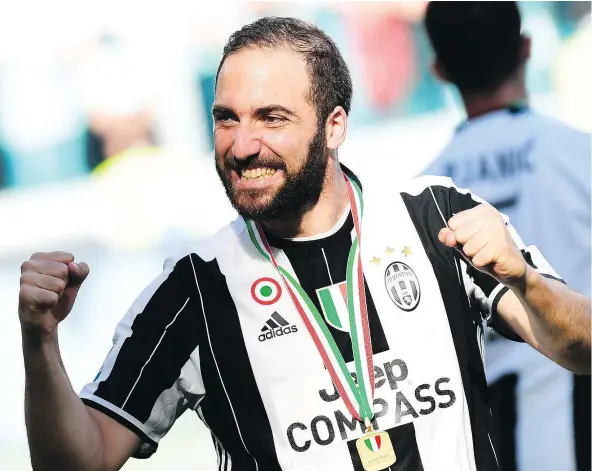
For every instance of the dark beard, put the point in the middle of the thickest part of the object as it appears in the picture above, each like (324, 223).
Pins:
(299, 192)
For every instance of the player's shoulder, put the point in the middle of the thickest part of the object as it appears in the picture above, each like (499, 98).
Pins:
(441, 192)
(564, 150)
(423, 183)
(553, 129)
(381, 184)
(542, 119)
(211, 247)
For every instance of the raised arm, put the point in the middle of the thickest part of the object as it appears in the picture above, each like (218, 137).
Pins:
(551, 318)
(543, 312)
(63, 433)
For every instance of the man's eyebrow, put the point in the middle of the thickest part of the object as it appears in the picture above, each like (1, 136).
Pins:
(221, 109)
(218, 110)
(269, 109)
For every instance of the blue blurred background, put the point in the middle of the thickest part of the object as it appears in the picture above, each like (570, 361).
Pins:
(106, 149)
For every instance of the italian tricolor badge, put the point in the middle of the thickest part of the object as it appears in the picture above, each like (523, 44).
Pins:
(373, 443)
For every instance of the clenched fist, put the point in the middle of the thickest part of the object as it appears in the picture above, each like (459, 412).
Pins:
(49, 285)
(482, 236)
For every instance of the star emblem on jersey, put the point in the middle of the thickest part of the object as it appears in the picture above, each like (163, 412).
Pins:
(402, 286)
(388, 252)
(266, 291)
(276, 326)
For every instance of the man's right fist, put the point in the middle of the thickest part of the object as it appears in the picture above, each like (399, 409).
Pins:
(49, 285)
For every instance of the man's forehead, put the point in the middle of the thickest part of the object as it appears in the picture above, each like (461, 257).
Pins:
(254, 78)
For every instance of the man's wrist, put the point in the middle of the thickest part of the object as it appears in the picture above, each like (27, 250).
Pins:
(529, 281)
(33, 340)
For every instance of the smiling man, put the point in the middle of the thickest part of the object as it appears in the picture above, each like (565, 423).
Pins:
(273, 149)
(301, 344)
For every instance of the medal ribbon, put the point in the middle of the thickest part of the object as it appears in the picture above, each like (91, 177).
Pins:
(358, 398)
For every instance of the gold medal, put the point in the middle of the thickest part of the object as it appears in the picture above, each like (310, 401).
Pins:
(376, 450)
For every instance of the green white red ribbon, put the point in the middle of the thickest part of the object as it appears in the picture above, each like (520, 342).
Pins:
(358, 398)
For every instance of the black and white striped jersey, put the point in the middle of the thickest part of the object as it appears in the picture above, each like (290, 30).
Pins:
(217, 333)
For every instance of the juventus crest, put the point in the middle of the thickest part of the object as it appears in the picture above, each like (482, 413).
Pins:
(402, 286)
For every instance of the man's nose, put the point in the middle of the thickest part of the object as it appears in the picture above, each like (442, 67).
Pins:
(247, 142)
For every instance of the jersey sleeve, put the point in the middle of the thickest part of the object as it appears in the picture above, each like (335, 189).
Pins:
(482, 288)
(152, 374)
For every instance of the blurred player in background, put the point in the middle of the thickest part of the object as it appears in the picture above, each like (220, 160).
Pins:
(537, 171)
(135, 168)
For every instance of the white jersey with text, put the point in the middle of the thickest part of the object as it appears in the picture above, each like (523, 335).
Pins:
(537, 171)
(217, 333)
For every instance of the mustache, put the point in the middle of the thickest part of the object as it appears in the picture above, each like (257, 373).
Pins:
(232, 163)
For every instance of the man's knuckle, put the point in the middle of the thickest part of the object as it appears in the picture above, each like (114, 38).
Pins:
(30, 296)
(53, 298)
(468, 250)
(60, 284)
(55, 269)
(461, 235)
(64, 257)
(24, 292)
(63, 271)
(45, 298)
(27, 278)
(27, 266)
(33, 297)
(478, 263)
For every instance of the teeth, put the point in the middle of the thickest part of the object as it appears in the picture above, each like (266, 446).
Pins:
(257, 173)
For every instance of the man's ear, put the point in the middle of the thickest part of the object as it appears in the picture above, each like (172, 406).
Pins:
(336, 128)
(525, 48)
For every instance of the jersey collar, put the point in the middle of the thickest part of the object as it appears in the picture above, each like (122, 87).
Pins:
(514, 109)
(342, 229)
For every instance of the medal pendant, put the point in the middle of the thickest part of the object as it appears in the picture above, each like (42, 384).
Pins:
(376, 451)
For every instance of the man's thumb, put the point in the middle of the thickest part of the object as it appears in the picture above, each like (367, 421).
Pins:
(78, 271)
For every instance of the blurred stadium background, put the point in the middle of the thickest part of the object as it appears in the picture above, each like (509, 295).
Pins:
(106, 151)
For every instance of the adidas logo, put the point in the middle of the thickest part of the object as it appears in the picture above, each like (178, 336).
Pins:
(276, 326)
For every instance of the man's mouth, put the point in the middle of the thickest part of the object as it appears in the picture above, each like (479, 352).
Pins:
(257, 173)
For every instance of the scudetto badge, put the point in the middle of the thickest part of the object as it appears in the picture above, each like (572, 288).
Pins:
(402, 286)
(266, 291)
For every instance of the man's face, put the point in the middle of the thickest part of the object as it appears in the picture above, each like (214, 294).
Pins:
(270, 149)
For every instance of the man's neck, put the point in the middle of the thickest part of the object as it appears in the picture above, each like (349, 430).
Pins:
(321, 217)
(508, 94)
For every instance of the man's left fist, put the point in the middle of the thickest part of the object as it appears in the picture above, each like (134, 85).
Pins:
(481, 235)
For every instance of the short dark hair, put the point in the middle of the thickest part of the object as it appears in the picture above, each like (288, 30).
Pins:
(476, 43)
(330, 80)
